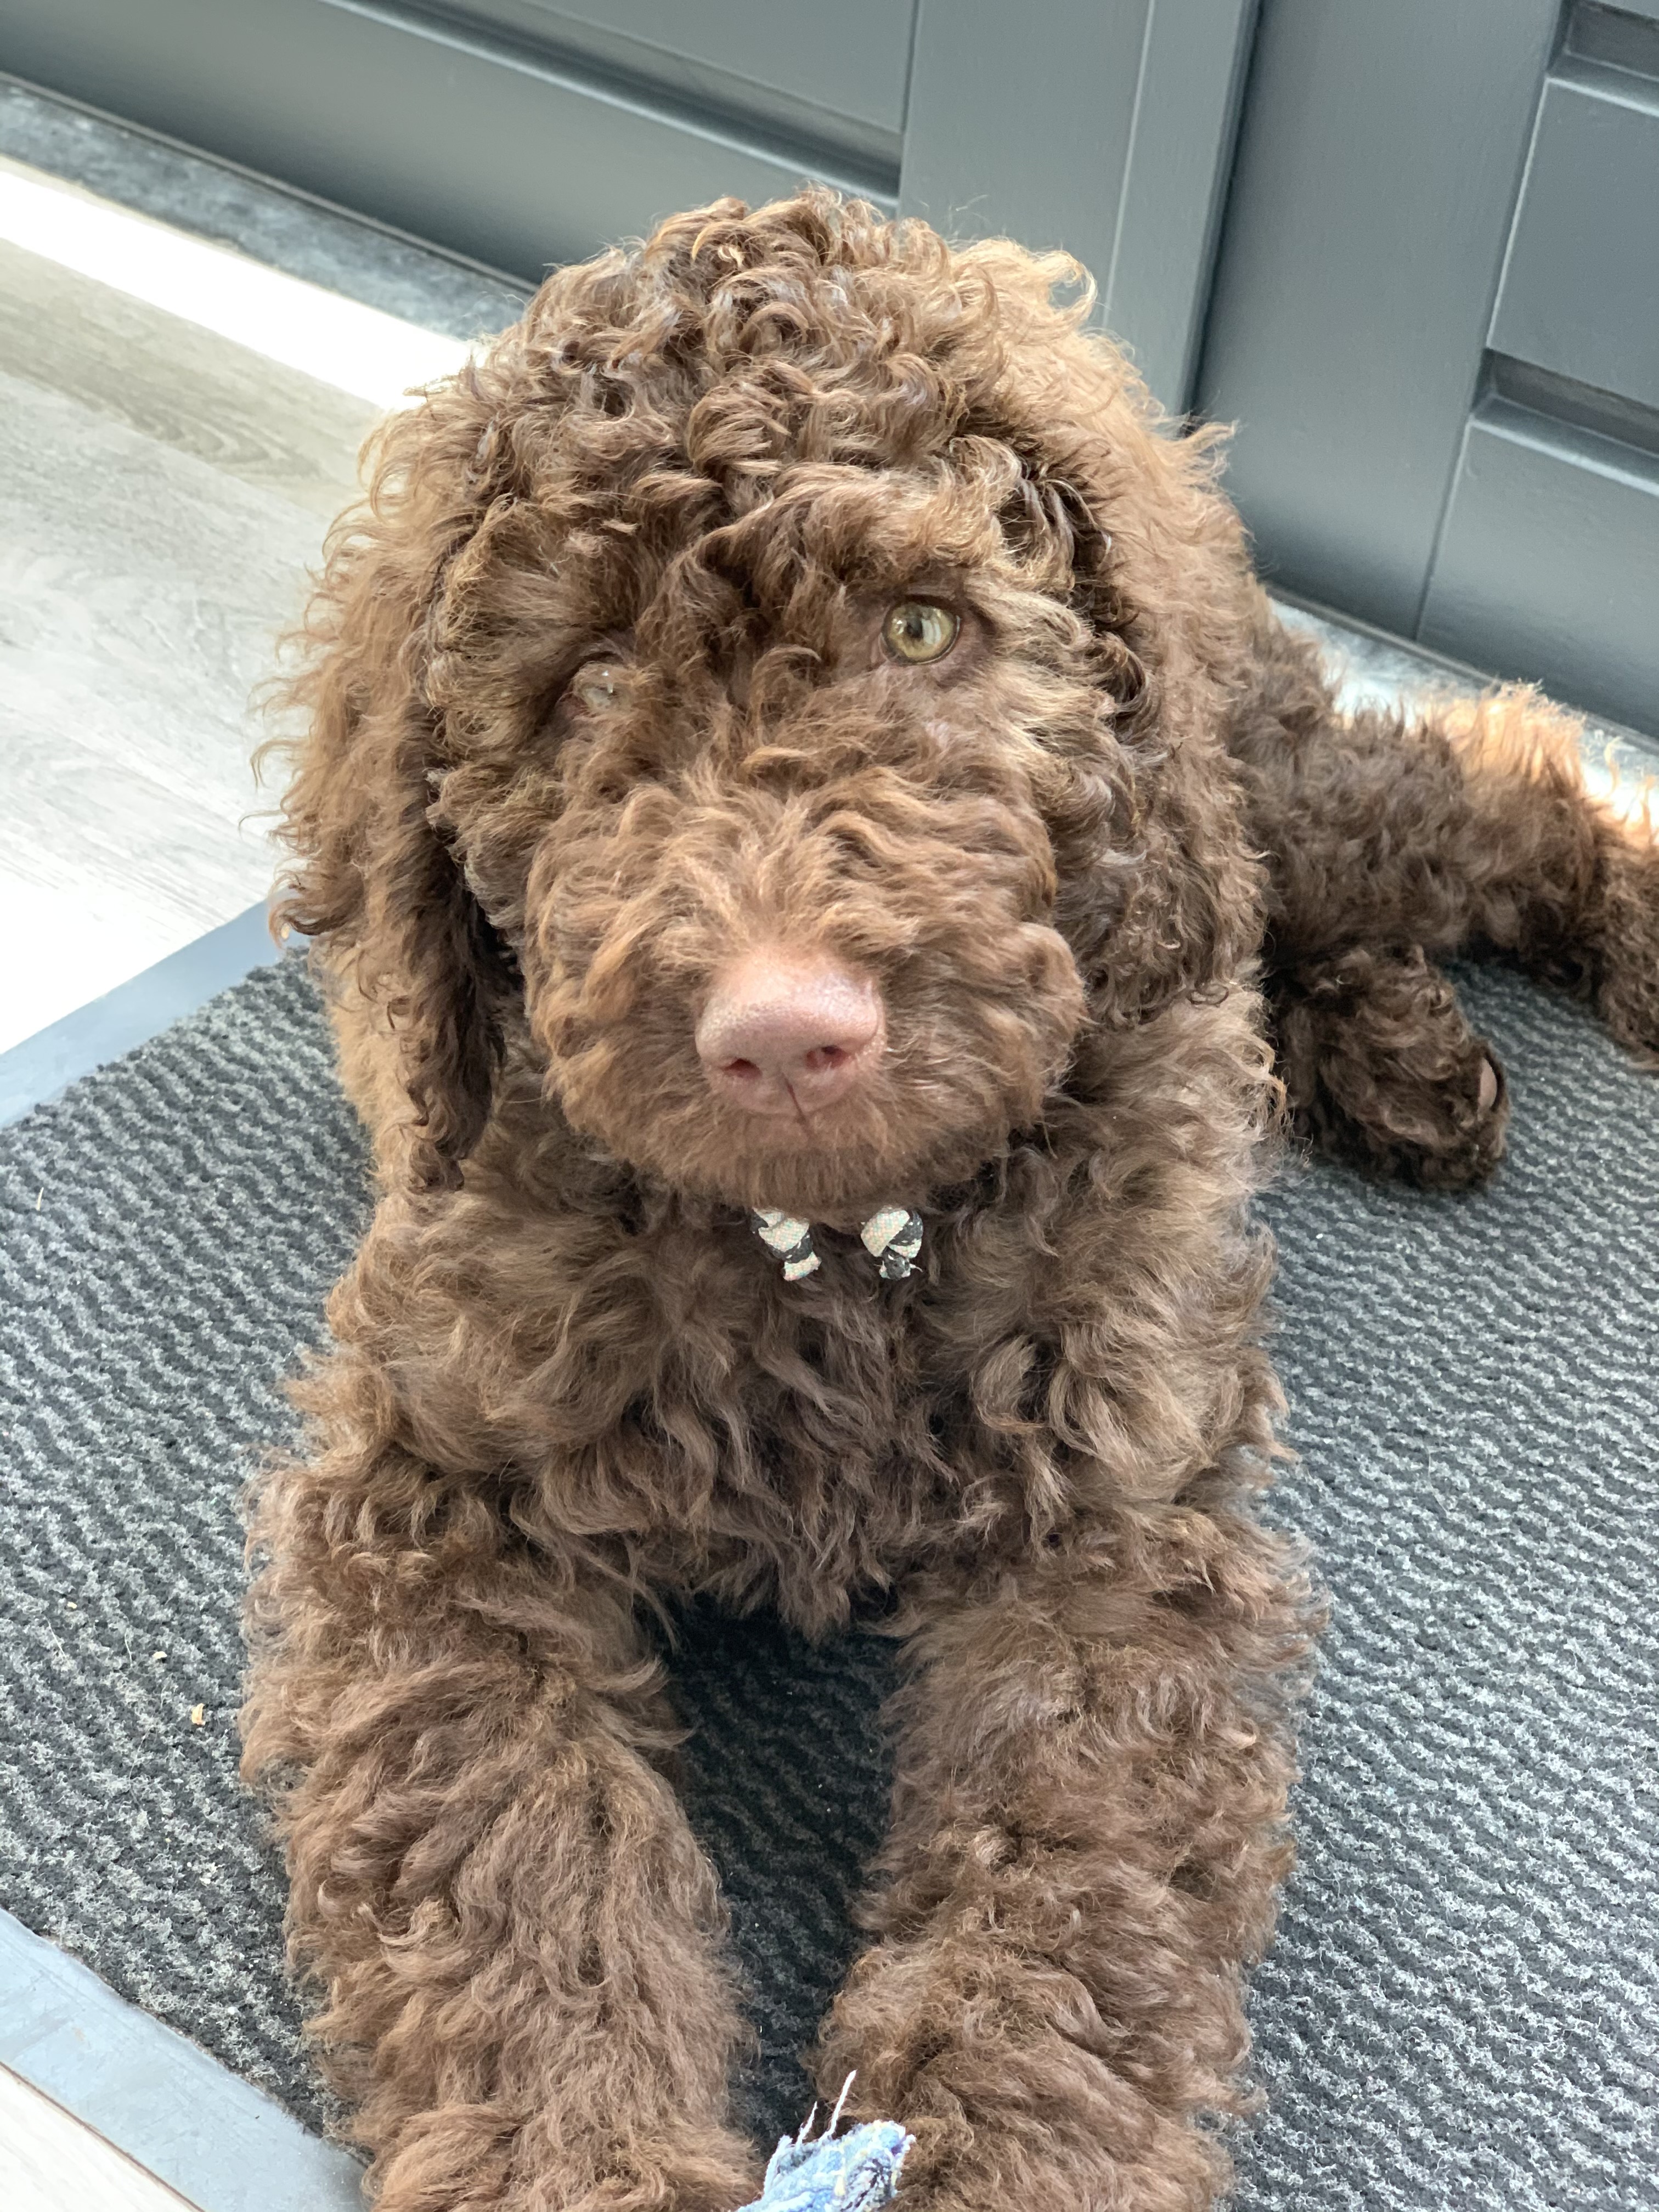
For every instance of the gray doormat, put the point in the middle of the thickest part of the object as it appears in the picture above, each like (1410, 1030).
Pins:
(1462, 2007)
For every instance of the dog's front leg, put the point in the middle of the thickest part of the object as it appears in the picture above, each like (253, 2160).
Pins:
(1088, 1837)
(519, 1938)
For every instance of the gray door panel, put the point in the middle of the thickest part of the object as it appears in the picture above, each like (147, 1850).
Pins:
(1156, 287)
(1104, 129)
(1380, 150)
(853, 57)
(837, 76)
(1024, 130)
(1435, 323)
(431, 127)
(1580, 292)
(1548, 565)
(524, 132)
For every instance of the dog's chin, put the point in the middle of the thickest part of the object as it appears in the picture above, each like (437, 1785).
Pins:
(836, 1180)
(898, 1143)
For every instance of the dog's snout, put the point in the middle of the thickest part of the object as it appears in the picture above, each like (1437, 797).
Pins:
(786, 1032)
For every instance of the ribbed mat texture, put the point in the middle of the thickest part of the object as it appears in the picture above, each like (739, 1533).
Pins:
(1461, 2009)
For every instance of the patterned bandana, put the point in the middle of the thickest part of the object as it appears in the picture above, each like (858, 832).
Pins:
(893, 1236)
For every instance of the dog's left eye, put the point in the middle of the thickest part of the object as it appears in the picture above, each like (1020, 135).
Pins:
(917, 630)
(596, 686)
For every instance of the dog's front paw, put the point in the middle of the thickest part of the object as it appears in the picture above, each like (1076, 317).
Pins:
(999, 2073)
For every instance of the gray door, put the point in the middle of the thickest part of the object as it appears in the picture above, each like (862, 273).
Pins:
(1435, 313)
(1435, 323)
(521, 132)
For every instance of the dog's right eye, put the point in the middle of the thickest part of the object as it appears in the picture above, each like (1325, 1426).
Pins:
(595, 686)
(917, 631)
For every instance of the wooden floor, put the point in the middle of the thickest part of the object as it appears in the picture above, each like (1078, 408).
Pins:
(163, 492)
(165, 487)
(50, 2163)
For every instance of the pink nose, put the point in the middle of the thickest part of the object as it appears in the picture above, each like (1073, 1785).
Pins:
(788, 1032)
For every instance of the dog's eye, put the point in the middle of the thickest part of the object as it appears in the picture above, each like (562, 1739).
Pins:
(917, 630)
(596, 686)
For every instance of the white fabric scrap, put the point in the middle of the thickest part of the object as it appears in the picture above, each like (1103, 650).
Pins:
(892, 1236)
(790, 1238)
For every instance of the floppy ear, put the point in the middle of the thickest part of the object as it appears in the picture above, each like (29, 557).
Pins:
(1191, 916)
(374, 880)
(1160, 573)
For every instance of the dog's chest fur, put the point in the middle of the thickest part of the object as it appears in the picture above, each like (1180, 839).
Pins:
(806, 1440)
(663, 1394)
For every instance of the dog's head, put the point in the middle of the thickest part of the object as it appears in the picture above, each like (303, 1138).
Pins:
(787, 663)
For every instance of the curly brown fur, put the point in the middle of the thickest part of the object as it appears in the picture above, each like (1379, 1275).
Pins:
(567, 1381)
(1381, 1068)
(1395, 841)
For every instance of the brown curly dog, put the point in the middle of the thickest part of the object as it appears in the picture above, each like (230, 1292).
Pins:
(792, 730)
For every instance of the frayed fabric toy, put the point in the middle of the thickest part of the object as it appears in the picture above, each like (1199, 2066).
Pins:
(892, 1238)
(858, 2172)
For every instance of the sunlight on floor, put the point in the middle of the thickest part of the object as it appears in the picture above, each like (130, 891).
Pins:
(338, 341)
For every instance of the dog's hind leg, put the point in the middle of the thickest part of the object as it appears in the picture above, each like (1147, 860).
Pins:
(519, 1939)
(1468, 827)
(1380, 1068)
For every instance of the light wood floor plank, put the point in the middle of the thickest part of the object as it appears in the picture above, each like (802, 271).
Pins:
(163, 496)
(49, 2162)
(245, 417)
(141, 592)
